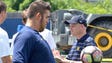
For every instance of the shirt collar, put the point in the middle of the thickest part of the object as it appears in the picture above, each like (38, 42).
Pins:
(83, 38)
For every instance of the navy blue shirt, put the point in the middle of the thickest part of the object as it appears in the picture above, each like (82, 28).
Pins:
(30, 47)
(77, 47)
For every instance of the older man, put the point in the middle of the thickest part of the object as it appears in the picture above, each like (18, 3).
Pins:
(78, 27)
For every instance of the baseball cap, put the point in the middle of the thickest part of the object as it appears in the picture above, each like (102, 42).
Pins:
(76, 19)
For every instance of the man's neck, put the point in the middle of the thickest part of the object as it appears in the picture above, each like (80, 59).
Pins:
(80, 36)
(33, 24)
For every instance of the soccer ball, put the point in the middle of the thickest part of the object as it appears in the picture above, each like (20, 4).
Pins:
(91, 54)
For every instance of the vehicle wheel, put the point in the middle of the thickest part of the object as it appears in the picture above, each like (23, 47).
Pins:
(102, 38)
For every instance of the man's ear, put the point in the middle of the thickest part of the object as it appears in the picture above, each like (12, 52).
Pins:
(38, 15)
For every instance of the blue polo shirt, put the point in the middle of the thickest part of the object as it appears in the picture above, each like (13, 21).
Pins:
(77, 47)
(30, 47)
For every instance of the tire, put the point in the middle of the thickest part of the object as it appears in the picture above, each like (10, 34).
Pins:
(102, 38)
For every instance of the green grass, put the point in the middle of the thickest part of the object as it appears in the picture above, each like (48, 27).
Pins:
(107, 60)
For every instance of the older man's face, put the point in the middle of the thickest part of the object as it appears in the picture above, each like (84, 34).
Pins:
(75, 29)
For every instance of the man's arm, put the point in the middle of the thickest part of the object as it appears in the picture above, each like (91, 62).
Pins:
(4, 48)
(6, 59)
(70, 61)
(64, 60)
(23, 45)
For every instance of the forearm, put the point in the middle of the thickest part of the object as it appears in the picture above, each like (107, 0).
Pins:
(64, 60)
(6, 59)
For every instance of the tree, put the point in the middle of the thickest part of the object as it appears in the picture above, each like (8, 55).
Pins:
(25, 4)
(100, 7)
(17, 5)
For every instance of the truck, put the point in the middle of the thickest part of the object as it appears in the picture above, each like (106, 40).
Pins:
(98, 26)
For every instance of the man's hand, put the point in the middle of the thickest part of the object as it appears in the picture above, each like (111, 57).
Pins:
(56, 53)
(64, 60)
(6, 59)
(70, 61)
(60, 59)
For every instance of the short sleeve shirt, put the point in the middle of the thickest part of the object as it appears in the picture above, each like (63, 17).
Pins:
(47, 35)
(77, 47)
(4, 44)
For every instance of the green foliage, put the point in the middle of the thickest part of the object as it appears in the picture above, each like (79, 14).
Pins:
(10, 10)
(16, 4)
(9, 4)
(25, 4)
(100, 7)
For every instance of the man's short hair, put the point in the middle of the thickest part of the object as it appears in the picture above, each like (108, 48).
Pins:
(24, 16)
(38, 6)
(2, 6)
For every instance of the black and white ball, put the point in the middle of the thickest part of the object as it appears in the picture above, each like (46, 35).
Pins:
(91, 54)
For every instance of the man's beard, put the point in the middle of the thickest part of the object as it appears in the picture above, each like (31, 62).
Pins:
(42, 25)
(41, 28)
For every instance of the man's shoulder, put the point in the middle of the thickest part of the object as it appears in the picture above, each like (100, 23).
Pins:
(3, 36)
(27, 32)
(2, 31)
(89, 39)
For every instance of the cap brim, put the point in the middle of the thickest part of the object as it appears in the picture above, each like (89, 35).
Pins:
(70, 22)
(66, 22)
